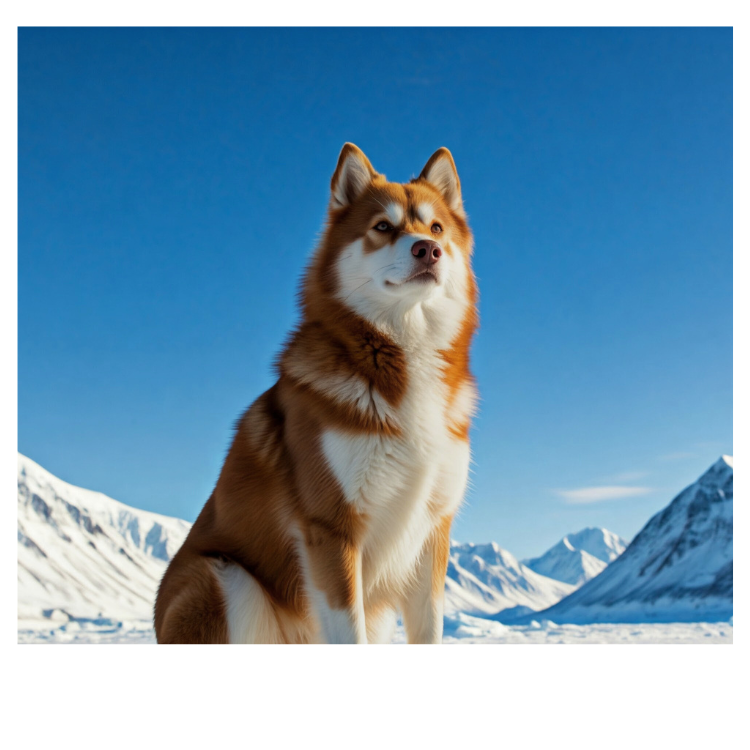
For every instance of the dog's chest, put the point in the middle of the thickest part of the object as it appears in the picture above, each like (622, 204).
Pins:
(403, 484)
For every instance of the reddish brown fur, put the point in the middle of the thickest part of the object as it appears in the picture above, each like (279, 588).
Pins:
(275, 476)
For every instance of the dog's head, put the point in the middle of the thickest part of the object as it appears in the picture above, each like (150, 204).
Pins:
(392, 251)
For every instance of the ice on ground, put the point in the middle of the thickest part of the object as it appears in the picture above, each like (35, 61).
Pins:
(459, 629)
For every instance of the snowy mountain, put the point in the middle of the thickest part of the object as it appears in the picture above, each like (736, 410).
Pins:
(578, 558)
(90, 565)
(600, 543)
(678, 569)
(83, 555)
(484, 579)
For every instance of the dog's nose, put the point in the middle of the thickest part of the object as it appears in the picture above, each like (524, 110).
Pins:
(427, 251)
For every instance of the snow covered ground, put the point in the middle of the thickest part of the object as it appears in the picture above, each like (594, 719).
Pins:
(460, 628)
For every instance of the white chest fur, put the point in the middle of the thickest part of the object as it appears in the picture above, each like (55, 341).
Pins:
(402, 484)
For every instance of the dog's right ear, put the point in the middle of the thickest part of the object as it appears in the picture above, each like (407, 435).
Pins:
(352, 176)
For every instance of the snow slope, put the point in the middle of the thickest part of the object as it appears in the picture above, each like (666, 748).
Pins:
(603, 544)
(486, 579)
(579, 557)
(83, 555)
(678, 569)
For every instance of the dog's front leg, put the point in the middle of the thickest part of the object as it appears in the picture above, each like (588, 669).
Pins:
(422, 604)
(333, 571)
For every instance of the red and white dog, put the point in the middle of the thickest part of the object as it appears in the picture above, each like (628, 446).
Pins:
(334, 505)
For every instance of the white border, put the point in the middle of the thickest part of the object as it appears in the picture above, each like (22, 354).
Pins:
(383, 13)
(653, 696)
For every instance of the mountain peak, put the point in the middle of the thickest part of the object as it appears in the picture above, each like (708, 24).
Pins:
(578, 557)
(603, 544)
(718, 473)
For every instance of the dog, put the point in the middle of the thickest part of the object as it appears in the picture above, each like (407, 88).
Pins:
(333, 508)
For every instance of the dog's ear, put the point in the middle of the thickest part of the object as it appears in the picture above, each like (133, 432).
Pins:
(440, 172)
(352, 176)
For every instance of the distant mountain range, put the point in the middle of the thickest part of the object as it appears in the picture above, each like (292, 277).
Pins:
(484, 579)
(84, 556)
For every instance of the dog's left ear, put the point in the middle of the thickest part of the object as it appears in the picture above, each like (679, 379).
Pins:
(440, 172)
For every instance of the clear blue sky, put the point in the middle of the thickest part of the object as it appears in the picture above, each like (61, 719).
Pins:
(172, 184)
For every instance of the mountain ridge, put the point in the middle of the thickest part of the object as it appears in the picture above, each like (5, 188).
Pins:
(82, 554)
(579, 557)
(484, 579)
(679, 567)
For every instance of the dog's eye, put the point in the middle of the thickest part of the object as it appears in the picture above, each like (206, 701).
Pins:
(436, 228)
(382, 226)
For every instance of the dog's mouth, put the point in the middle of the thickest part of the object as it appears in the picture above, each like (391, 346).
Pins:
(422, 276)
(425, 275)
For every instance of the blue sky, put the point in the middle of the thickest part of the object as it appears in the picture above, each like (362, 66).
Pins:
(172, 184)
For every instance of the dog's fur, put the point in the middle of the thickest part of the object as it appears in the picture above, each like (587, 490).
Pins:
(334, 505)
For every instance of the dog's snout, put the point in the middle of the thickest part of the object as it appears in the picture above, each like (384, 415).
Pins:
(427, 251)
